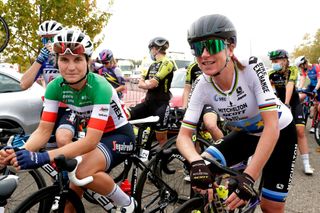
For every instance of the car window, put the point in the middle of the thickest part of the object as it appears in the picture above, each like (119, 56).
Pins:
(178, 79)
(8, 84)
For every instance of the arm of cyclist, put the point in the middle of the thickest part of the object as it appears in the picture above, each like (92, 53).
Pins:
(289, 92)
(302, 80)
(30, 75)
(26, 159)
(201, 177)
(185, 96)
(266, 144)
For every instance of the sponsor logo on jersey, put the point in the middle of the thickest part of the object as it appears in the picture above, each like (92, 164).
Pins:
(240, 93)
(219, 98)
(116, 109)
(261, 73)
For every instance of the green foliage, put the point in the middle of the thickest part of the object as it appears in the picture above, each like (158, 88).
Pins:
(310, 48)
(24, 17)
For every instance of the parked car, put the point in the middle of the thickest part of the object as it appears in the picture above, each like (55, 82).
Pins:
(19, 108)
(126, 67)
(177, 86)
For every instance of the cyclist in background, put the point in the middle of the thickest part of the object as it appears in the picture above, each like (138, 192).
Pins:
(111, 71)
(313, 73)
(209, 116)
(157, 82)
(45, 63)
(241, 93)
(109, 137)
(284, 77)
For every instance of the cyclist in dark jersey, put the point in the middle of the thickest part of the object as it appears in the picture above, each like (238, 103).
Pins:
(110, 71)
(284, 78)
(109, 137)
(209, 116)
(241, 93)
(312, 71)
(157, 82)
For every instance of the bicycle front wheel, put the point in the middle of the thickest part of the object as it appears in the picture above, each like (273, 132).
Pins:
(45, 198)
(317, 132)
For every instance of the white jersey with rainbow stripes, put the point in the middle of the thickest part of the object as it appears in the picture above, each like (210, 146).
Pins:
(250, 94)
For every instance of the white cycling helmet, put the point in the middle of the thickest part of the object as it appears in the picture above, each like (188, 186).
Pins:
(50, 27)
(72, 37)
(300, 60)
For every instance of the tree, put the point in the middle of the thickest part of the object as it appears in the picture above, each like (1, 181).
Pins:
(24, 17)
(310, 47)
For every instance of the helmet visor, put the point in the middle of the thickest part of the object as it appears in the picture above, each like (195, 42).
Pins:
(213, 46)
(73, 48)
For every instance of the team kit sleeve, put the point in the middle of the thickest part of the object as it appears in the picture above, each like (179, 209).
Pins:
(188, 74)
(195, 105)
(262, 88)
(293, 74)
(101, 106)
(165, 68)
(51, 101)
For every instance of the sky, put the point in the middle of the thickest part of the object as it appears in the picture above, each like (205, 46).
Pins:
(262, 25)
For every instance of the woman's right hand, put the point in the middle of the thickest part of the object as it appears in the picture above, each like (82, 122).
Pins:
(6, 156)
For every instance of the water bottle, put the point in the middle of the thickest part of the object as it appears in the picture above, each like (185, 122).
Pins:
(126, 186)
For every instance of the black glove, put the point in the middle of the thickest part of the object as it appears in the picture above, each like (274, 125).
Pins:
(244, 189)
(200, 175)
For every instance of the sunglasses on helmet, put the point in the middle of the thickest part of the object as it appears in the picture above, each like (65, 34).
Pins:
(73, 48)
(213, 46)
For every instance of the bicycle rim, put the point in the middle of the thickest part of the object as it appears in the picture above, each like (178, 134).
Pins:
(4, 34)
(29, 182)
(46, 198)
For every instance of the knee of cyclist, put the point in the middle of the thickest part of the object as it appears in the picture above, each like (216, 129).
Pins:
(63, 137)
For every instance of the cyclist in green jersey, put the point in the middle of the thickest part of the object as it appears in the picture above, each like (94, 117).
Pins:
(284, 77)
(209, 116)
(109, 137)
(157, 82)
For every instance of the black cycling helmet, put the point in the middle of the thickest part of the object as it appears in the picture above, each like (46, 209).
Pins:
(212, 26)
(159, 42)
(278, 54)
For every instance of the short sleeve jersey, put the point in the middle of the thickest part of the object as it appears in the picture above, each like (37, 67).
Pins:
(251, 93)
(193, 72)
(48, 70)
(97, 102)
(162, 71)
(280, 81)
(313, 74)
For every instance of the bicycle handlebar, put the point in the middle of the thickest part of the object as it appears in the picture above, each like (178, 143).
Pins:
(150, 119)
(71, 165)
(73, 178)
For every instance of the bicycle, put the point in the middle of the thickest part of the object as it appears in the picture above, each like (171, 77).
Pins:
(135, 162)
(29, 181)
(4, 34)
(199, 203)
(8, 184)
(307, 104)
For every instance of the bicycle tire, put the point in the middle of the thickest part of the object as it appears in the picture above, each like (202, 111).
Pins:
(194, 205)
(317, 130)
(47, 195)
(152, 195)
(4, 34)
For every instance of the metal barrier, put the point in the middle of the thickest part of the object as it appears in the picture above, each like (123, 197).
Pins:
(132, 94)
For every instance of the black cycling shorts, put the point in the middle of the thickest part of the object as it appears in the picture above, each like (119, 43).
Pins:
(298, 115)
(146, 109)
(278, 171)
